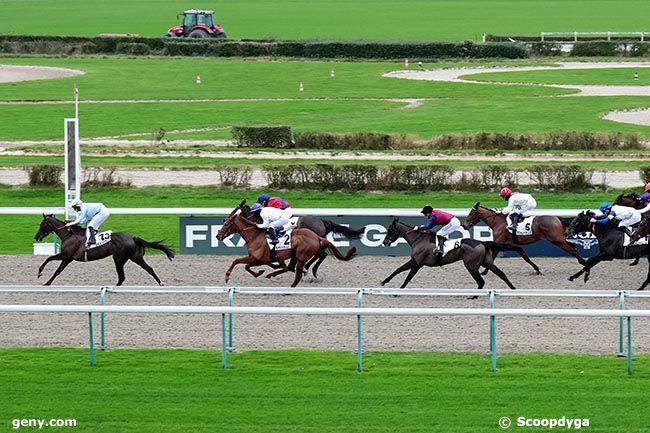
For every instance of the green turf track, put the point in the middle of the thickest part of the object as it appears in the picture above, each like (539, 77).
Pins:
(302, 391)
(19, 239)
(354, 101)
(326, 19)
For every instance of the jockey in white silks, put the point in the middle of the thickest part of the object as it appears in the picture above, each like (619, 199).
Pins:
(518, 205)
(275, 220)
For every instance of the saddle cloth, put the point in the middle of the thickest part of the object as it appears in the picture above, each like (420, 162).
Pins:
(642, 241)
(524, 227)
(284, 242)
(101, 239)
(449, 245)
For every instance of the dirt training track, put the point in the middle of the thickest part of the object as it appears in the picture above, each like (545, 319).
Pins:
(467, 334)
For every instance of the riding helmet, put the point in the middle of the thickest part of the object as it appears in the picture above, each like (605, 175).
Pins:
(76, 203)
(256, 207)
(427, 209)
(505, 192)
(605, 206)
(263, 197)
(647, 187)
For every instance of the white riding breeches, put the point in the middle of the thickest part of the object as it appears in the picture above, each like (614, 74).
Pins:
(451, 227)
(281, 222)
(634, 218)
(97, 220)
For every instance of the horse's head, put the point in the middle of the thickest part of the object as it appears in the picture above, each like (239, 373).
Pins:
(230, 226)
(630, 200)
(47, 226)
(392, 234)
(580, 223)
(474, 216)
(642, 230)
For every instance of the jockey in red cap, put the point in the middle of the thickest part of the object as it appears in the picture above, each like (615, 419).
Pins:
(518, 204)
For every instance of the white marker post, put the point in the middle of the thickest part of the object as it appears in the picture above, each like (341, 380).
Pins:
(72, 157)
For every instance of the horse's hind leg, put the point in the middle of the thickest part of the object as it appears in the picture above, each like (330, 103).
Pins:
(527, 259)
(299, 267)
(499, 273)
(64, 263)
(477, 277)
(144, 265)
(320, 259)
(647, 280)
(569, 249)
(119, 267)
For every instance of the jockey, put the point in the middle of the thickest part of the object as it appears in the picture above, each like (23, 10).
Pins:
(628, 216)
(645, 197)
(277, 202)
(273, 219)
(93, 213)
(518, 204)
(436, 218)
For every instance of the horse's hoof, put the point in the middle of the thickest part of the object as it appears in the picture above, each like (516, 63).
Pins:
(538, 272)
(383, 283)
(39, 275)
(641, 288)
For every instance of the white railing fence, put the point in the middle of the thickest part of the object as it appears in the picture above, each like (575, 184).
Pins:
(359, 311)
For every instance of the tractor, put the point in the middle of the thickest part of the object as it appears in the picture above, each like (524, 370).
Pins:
(197, 24)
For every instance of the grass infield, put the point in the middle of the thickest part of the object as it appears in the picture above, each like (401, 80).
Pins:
(308, 391)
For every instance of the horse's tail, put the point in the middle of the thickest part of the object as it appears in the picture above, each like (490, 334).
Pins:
(497, 246)
(347, 256)
(331, 226)
(158, 245)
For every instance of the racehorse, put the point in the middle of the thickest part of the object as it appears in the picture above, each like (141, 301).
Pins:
(610, 241)
(473, 253)
(322, 227)
(550, 228)
(122, 246)
(630, 200)
(305, 245)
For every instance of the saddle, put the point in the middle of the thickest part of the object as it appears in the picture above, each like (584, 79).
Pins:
(524, 226)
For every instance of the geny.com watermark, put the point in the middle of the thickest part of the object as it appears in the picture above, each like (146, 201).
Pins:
(40, 423)
(550, 423)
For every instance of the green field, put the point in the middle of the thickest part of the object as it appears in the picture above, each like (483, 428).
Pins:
(19, 239)
(325, 19)
(302, 391)
(357, 100)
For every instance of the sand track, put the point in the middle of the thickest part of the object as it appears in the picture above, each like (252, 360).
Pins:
(326, 333)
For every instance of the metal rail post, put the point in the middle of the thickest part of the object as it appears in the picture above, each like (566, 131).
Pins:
(224, 354)
(102, 299)
(621, 324)
(629, 345)
(92, 339)
(231, 302)
(359, 333)
(493, 335)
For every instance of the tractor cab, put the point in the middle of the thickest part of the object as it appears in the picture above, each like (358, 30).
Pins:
(197, 24)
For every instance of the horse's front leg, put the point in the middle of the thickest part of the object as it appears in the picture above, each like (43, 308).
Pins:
(59, 256)
(406, 266)
(64, 262)
(591, 262)
(250, 260)
(253, 272)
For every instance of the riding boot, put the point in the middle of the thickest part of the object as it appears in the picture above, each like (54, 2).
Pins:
(91, 240)
(515, 220)
(626, 230)
(441, 245)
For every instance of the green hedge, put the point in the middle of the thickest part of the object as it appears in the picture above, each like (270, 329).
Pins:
(358, 177)
(262, 136)
(560, 140)
(69, 45)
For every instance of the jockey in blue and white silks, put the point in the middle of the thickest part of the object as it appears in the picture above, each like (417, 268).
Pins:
(92, 213)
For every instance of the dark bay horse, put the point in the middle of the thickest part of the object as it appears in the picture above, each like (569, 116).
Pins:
(473, 253)
(546, 227)
(305, 245)
(322, 227)
(630, 200)
(610, 241)
(122, 246)
(642, 230)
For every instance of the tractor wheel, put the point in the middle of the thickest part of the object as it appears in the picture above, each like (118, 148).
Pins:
(198, 33)
(221, 35)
